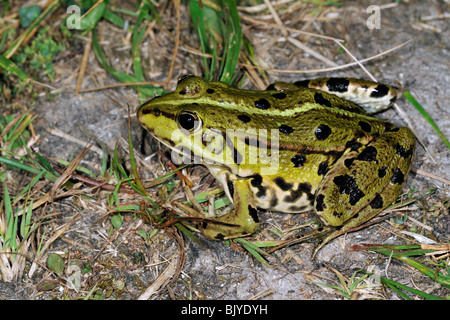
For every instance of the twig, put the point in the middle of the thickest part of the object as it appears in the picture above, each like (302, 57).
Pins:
(277, 26)
(173, 167)
(84, 63)
(62, 134)
(430, 175)
(177, 40)
(171, 273)
(315, 54)
(331, 68)
(110, 86)
(275, 17)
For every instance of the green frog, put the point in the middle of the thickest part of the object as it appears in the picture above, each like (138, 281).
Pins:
(291, 148)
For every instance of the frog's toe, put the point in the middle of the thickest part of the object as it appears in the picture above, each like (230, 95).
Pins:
(240, 221)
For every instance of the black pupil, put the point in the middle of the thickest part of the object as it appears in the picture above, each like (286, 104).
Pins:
(187, 121)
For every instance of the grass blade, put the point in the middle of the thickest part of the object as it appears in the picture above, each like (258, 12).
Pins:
(396, 286)
(392, 251)
(137, 179)
(16, 44)
(254, 250)
(148, 90)
(426, 116)
(10, 66)
(232, 43)
(11, 222)
(25, 222)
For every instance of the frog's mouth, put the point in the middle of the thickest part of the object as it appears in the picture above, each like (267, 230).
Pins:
(180, 152)
(176, 152)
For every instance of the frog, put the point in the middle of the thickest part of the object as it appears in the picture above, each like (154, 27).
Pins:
(294, 147)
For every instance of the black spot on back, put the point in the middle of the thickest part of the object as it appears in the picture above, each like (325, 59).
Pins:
(318, 98)
(285, 129)
(302, 83)
(368, 154)
(298, 160)
(279, 95)
(365, 126)
(380, 91)
(244, 118)
(262, 104)
(390, 128)
(377, 202)
(347, 185)
(322, 132)
(338, 84)
(398, 176)
(210, 90)
(382, 172)
(271, 87)
(353, 145)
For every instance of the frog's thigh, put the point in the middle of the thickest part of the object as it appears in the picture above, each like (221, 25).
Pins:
(364, 182)
(244, 215)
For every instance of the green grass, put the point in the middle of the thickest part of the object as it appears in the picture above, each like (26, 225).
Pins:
(426, 116)
(404, 253)
(17, 222)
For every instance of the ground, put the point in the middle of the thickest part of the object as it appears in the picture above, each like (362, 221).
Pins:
(124, 265)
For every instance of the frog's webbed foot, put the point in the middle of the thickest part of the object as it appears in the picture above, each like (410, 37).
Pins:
(327, 238)
(240, 221)
(316, 235)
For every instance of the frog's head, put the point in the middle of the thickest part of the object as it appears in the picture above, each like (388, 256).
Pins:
(185, 120)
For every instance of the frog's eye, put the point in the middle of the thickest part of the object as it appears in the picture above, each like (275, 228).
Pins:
(188, 120)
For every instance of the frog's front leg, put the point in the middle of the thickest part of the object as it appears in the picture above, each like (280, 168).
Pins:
(244, 215)
(364, 181)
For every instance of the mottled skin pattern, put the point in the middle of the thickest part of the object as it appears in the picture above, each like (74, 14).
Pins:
(331, 155)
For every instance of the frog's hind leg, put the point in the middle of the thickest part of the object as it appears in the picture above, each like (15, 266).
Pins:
(371, 96)
(240, 221)
(364, 182)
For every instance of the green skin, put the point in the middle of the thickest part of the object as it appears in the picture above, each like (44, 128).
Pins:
(331, 155)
